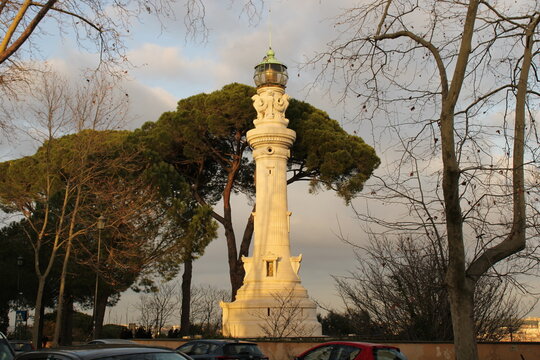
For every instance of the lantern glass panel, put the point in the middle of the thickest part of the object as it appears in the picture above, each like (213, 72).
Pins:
(270, 74)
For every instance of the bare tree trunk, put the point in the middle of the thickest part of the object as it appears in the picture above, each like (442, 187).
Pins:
(100, 312)
(237, 270)
(61, 295)
(236, 267)
(462, 309)
(37, 330)
(60, 306)
(185, 322)
(248, 234)
(460, 288)
(66, 327)
(237, 273)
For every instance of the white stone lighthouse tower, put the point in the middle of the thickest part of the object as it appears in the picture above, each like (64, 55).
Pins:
(272, 294)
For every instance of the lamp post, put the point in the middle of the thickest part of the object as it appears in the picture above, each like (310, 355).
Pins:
(19, 266)
(100, 225)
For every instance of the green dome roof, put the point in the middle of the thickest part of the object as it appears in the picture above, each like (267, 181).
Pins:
(270, 58)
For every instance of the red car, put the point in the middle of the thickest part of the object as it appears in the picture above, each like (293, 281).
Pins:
(351, 350)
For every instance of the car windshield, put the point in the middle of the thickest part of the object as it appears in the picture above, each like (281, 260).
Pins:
(345, 352)
(186, 348)
(235, 349)
(388, 354)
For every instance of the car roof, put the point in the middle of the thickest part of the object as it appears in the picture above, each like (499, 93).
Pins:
(95, 351)
(359, 343)
(364, 345)
(111, 341)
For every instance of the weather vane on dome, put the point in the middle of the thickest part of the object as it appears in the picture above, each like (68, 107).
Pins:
(270, 25)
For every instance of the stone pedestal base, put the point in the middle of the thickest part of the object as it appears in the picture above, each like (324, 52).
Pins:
(284, 312)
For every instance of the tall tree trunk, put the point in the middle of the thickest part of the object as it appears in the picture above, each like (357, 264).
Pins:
(42, 323)
(236, 267)
(37, 330)
(234, 257)
(237, 277)
(101, 307)
(63, 276)
(462, 309)
(238, 272)
(460, 288)
(61, 296)
(185, 323)
(66, 334)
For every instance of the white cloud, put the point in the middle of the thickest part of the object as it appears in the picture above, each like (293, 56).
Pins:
(147, 103)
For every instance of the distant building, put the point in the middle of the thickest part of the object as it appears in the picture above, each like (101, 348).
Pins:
(528, 331)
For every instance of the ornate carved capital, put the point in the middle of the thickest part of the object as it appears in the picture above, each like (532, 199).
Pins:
(271, 104)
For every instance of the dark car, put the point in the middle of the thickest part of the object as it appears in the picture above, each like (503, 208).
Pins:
(6, 351)
(104, 352)
(110, 341)
(351, 350)
(222, 350)
(20, 346)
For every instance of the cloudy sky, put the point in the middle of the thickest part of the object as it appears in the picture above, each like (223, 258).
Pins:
(172, 68)
(167, 67)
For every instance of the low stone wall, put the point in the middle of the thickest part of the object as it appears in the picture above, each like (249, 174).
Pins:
(414, 351)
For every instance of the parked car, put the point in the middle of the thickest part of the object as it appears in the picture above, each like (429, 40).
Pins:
(351, 350)
(104, 352)
(110, 341)
(20, 346)
(222, 350)
(6, 351)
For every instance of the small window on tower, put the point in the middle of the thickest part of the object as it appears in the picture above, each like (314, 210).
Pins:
(269, 268)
